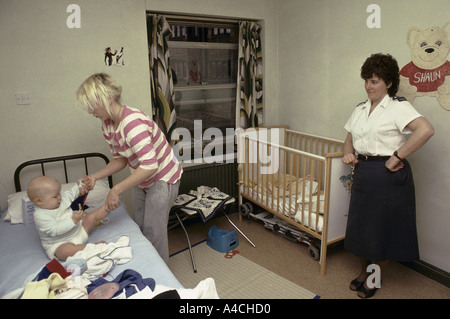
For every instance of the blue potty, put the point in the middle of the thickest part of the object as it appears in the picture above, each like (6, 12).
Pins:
(222, 240)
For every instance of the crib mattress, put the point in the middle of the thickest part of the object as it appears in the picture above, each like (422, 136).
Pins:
(288, 204)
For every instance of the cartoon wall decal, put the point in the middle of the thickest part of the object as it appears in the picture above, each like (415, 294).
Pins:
(114, 58)
(428, 74)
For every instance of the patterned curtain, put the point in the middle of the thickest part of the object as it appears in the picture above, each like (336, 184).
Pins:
(162, 91)
(250, 76)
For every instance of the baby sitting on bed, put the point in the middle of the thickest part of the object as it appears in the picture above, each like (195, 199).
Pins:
(63, 231)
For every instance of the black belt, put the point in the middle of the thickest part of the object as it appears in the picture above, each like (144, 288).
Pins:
(372, 158)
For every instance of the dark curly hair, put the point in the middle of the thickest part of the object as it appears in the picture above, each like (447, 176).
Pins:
(385, 67)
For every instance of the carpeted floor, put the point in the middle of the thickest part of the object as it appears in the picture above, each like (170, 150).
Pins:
(291, 261)
(236, 277)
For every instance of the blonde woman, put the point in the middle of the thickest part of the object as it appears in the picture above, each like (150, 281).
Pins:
(137, 142)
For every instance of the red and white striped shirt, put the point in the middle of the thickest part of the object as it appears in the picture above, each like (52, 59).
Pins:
(144, 145)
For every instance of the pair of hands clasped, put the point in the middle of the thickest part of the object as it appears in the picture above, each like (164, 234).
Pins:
(112, 200)
(393, 164)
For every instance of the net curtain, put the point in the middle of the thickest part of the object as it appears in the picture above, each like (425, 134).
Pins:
(250, 76)
(162, 91)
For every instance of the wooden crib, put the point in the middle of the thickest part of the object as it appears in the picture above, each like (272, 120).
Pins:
(299, 178)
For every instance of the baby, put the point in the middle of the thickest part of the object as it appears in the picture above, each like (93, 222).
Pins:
(62, 234)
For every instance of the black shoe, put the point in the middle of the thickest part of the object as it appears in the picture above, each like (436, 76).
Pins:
(355, 285)
(367, 293)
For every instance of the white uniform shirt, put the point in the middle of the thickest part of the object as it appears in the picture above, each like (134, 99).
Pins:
(384, 131)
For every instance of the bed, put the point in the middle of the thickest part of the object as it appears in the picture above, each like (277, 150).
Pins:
(297, 177)
(23, 255)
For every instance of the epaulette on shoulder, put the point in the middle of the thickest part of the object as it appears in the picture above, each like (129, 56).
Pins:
(362, 103)
(400, 98)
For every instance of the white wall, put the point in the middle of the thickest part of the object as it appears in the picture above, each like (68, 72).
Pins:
(322, 45)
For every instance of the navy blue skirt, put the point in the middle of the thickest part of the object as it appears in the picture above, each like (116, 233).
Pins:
(382, 215)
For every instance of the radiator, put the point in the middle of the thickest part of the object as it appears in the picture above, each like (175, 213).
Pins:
(223, 176)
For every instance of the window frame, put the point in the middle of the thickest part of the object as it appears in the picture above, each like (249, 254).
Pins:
(227, 140)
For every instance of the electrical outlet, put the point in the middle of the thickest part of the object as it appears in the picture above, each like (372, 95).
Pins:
(23, 98)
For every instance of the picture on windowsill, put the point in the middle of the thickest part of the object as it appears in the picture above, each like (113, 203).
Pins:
(114, 57)
(194, 73)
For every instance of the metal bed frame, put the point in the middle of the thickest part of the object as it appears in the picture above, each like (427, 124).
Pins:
(63, 159)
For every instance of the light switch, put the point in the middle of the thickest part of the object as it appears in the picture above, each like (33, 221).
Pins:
(23, 98)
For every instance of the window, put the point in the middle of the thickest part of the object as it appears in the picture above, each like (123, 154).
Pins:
(204, 61)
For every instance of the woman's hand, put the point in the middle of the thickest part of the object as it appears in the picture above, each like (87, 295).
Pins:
(394, 164)
(349, 152)
(112, 200)
(350, 159)
(85, 185)
(88, 183)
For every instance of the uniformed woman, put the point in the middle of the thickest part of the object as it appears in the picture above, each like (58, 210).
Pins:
(382, 133)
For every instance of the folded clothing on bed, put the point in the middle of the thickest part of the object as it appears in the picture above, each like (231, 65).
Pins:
(131, 285)
(127, 282)
(48, 288)
(52, 266)
(100, 258)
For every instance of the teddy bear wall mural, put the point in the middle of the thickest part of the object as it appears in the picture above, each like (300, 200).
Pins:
(428, 73)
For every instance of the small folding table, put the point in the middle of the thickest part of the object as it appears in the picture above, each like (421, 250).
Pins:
(205, 204)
